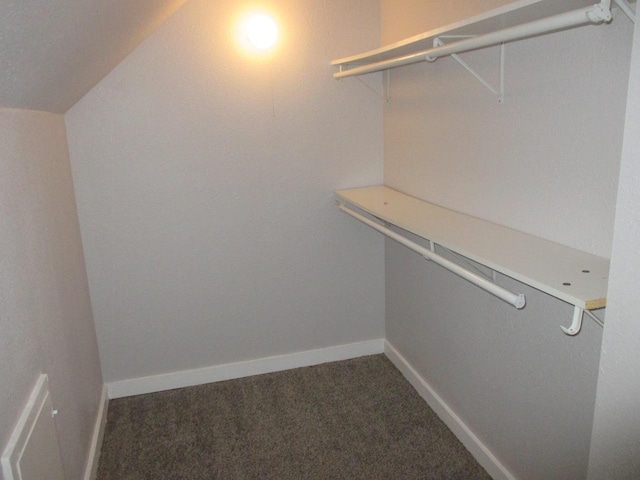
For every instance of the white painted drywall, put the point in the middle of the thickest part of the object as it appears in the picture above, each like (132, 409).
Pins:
(52, 53)
(545, 162)
(47, 324)
(205, 179)
(615, 444)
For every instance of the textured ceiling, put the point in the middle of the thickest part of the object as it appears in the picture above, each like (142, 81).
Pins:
(53, 52)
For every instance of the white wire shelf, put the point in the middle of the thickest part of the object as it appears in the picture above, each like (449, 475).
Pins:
(571, 275)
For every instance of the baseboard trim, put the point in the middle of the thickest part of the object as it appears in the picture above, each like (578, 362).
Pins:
(98, 435)
(218, 373)
(471, 442)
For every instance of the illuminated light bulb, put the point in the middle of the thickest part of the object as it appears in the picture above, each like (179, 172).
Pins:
(262, 31)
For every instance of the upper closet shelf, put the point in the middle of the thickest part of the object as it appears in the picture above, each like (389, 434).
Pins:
(576, 277)
(514, 21)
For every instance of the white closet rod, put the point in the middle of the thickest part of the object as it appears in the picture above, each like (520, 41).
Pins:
(517, 300)
(594, 15)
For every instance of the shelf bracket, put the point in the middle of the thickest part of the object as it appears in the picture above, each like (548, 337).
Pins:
(498, 92)
(627, 9)
(576, 323)
(384, 96)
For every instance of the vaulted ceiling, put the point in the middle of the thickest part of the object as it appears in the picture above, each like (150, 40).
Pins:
(52, 52)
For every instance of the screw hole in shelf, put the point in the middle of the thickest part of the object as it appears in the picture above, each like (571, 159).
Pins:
(586, 271)
(566, 284)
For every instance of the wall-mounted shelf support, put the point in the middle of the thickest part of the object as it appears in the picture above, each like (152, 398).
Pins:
(627, 9)
(517, 300)
(576, 323)
(498, 92)
(387, 86)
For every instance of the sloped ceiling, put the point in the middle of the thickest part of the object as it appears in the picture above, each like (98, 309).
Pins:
(53, 52)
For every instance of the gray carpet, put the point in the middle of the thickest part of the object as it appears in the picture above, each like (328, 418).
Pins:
(356, 419)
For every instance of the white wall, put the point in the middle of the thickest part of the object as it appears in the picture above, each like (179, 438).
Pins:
(47, 325)
(615, 444)
(545, 162)
(205, 182)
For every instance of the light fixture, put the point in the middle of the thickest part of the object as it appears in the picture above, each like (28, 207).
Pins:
(261, 31)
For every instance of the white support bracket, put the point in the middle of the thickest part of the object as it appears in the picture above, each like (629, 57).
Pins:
(387, 87)
(627, 9)
(471, 265)
(576, 323)
(498, 92)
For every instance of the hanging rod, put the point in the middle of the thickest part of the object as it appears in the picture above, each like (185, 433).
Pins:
(594, 15)
(517, 300)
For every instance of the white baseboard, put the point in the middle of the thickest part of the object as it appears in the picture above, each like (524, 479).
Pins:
(98, 434)
(187, 378)
(471, 442)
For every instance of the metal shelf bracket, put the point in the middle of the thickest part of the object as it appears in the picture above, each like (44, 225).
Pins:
(576, 323)
(498, 92)
(387, 86)
(627, 9)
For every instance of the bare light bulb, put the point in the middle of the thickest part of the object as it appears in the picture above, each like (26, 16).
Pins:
(262, 31)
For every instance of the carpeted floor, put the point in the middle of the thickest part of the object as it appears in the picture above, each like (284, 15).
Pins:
(356, 419)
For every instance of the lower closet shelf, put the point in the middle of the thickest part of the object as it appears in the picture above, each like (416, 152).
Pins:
(571, 275)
